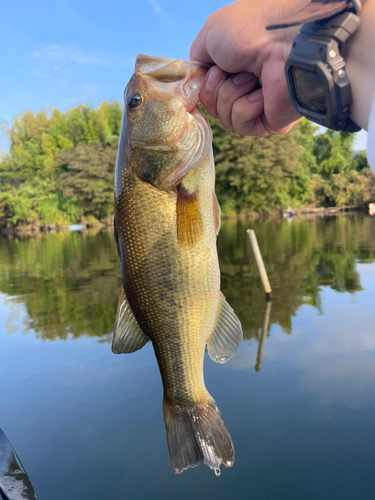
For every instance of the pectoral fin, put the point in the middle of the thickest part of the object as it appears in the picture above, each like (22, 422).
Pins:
(227, 335)
(217, 213)
(189, 217)
(127, 335)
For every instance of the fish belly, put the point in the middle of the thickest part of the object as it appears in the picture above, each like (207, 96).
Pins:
(173, 289)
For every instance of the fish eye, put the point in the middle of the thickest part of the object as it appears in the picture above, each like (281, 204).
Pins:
(134, 101)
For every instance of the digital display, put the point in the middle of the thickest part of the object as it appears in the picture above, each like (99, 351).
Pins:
(309, 90)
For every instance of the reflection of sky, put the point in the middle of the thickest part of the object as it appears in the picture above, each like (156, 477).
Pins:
(335, 351)
(89, 424)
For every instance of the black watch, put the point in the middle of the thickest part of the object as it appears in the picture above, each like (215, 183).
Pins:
(318, 86)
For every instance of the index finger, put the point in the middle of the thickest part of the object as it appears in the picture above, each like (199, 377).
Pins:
(198, 49)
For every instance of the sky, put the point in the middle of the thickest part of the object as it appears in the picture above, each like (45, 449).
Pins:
(59, 53)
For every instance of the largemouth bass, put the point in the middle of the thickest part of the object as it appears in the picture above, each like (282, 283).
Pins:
(166, 222)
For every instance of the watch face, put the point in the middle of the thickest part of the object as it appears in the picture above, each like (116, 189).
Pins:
(309, 90)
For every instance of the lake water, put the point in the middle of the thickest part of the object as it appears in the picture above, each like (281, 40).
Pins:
(298, 397)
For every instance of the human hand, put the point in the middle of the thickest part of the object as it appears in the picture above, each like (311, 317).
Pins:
(244, 53)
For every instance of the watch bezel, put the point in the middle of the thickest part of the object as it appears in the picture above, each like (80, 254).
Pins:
(317, 48)
(325, 75)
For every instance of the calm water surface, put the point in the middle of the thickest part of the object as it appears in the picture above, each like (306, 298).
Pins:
(88, 424)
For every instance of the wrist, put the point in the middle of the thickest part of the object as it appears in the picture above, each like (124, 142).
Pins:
(360, 65)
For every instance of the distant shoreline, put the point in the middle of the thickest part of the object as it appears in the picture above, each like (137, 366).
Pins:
(306, 211)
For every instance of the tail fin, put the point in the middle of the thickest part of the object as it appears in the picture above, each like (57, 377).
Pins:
(197, 434)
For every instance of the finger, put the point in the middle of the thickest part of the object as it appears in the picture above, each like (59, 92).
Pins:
(198, 49)
(246, 114)
(249, 117)
(279, 113)
(210, 88)
(229, 92)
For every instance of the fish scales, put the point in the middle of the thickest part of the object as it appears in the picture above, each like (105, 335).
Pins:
(166, 222)
(175, 299)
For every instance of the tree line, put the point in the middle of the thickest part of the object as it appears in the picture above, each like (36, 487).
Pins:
(60, 166)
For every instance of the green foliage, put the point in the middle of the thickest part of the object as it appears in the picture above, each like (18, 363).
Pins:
(344, 188)
(340, 177)
(68, 282)
(333, 152)
(86, 177)
(258, 174)
(267, 174)
(360, 161)
(60, 166)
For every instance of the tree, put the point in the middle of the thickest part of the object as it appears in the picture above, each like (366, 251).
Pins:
(30, 175)
(257, 174)
(60, 165)
(340, 178)
(86, 177)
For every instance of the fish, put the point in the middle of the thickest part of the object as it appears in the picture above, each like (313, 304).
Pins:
(167, 219)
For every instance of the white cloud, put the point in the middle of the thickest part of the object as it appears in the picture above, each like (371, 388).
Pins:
(335, 352)
(54, 56)
(157, 8)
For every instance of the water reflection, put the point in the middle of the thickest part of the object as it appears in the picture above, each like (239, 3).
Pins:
(300, 258)
(310, 409)
(262, 340)
(68, 282)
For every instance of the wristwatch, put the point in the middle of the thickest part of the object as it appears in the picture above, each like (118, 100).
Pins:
(318, 86)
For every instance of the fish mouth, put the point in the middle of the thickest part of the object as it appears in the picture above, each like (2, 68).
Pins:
(193, 83)
(149, 64)
(184, 77)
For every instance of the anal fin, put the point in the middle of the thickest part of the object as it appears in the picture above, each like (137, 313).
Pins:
(127, 335)
(227, 335)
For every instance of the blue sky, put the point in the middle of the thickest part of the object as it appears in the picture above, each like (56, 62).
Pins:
(61, 53)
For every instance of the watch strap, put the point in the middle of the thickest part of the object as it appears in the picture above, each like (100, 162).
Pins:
(316, 10)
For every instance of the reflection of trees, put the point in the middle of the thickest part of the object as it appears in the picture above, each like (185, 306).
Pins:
(69, 282)
(300, 257)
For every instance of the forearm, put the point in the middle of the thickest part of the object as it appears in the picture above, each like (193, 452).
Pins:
(360, 65)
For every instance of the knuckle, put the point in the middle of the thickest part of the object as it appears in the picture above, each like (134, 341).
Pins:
(225, 92)
(242, 128)
(226, 126)
(239, 113)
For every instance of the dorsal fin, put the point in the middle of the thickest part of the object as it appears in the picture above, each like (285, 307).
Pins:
(127, 335)
(227, 335)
